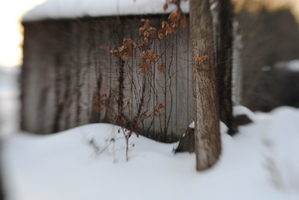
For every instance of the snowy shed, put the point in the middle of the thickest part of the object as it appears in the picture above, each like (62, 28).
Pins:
(70, 78)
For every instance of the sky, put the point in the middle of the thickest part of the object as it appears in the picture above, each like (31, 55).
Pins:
(11, 30)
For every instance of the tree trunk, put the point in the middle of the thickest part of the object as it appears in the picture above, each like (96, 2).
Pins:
(224, 63)
(206, 133)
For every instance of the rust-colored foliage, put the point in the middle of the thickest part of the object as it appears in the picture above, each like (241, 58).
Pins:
(144, 68)
(174, 26)
(165, 6)
(175, 16)
(99, 103)
(146, 32)
(164, 24)
(169, 30)
(200, 58)
(129, 44)
(183, 21)
(166, 29)
(161, 67)
(161, 36)
(160, 106)
(148, 55)
(125, 51)
(177, 20)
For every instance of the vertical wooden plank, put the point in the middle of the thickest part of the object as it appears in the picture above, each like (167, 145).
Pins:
(75, 65)
(190, 105)
(116, 70)
(29, 78)
(184, 82)
(94, 74)
(56, 56)
(160, 92)
(71, 69)
(100, 70)
(68, 70)
(81, 71)
(171, 87)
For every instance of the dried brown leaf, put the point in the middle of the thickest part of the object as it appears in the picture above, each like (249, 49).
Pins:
(161, 67)
(152, 31)
(174, 16)
(169, 30)
(129, 44)
(161, 36)
(164, 24)
(174, 25)
(145, 41)
(144, 68)
(160, 106)
(200, 58)
(183, 21)
(151, 56)
(165, 6)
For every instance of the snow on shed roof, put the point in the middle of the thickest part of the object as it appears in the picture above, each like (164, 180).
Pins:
(59, 9)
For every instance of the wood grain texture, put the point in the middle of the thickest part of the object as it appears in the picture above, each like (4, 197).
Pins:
(206, 132)
(70, 78)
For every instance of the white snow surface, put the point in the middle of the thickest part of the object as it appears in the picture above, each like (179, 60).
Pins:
(192, 125)
(261, 163)
(238, 110)
(57, 9)
(292, 65)
(9, 99)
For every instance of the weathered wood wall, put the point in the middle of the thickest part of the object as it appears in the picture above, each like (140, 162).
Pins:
(70, 78)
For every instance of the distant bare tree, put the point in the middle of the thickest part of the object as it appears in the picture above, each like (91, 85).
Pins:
(269, 37)
(224, 57)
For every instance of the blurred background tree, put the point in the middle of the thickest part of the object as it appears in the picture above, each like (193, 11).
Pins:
(270, 35)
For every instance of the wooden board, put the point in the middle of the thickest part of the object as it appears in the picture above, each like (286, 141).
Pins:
(70, 78)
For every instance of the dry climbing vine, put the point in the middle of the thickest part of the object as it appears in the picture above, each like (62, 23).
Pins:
(128, 48)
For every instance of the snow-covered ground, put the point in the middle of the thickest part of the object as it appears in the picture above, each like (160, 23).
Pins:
(259, 163)
(9, 99)
(292, 66)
